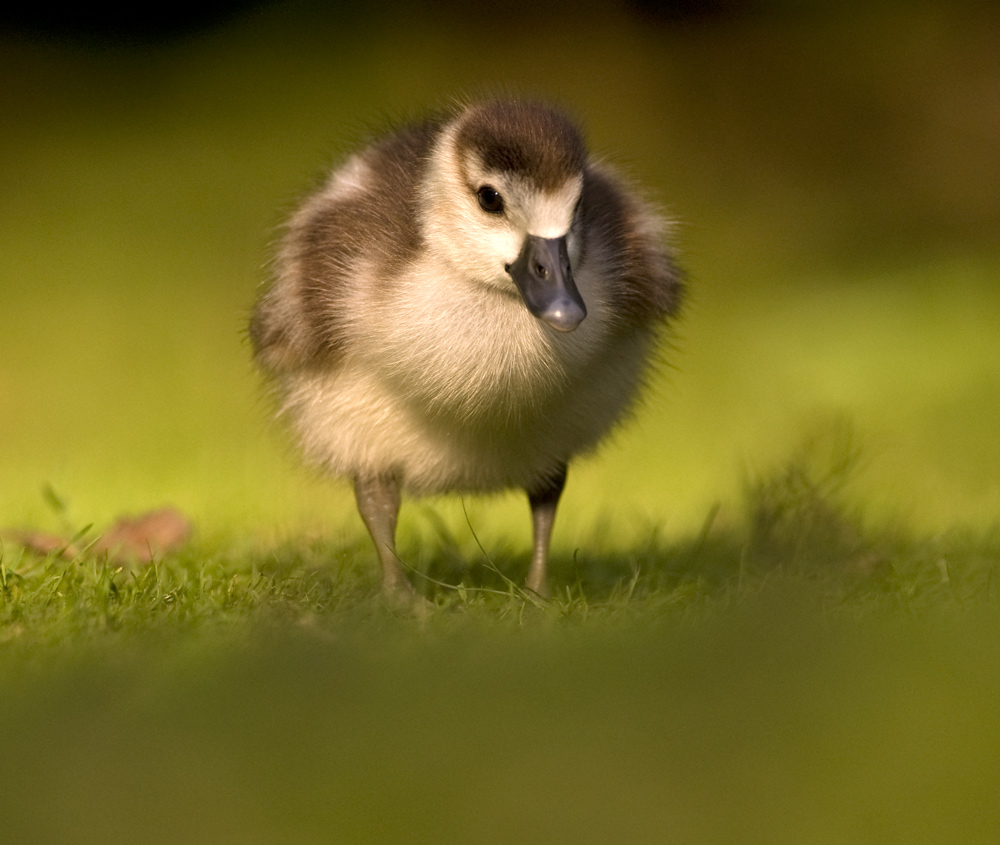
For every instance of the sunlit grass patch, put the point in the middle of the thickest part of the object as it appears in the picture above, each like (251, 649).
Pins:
(795, 531)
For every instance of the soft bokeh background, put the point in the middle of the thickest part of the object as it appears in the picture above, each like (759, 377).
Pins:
(834, 173)
(835, 176)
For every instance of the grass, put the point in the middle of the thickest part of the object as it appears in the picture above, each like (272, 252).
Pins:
(794, 524)
(792, 671)
(776, 594)
(50, 603)
(793, 676)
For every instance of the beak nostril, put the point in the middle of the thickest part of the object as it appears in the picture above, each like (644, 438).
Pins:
(545, 281)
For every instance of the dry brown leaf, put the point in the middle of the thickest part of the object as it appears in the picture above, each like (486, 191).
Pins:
(130, 539)
(142, 537)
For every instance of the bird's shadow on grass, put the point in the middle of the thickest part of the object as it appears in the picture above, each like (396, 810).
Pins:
(796, 521)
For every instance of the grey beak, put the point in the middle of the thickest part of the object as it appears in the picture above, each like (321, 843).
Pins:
(544, 278)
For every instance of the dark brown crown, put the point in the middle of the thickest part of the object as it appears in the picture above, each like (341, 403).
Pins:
(531, 140)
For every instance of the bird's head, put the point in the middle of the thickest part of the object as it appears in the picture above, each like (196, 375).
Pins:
(505, 184)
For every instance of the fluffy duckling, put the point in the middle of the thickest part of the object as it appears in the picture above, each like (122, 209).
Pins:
(465, 305)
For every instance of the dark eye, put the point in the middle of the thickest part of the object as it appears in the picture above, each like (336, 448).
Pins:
(490, 200)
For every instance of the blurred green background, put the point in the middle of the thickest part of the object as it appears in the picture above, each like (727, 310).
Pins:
(835, 177)
(834, 174)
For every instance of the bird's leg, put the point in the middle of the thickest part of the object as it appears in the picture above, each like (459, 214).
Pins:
(378, 503)
(543, 500)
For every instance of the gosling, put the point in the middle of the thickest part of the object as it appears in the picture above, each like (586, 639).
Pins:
(464, 306)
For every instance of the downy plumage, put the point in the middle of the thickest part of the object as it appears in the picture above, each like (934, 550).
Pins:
(465, 305)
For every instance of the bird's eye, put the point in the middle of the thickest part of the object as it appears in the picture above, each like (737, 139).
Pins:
(490, 199)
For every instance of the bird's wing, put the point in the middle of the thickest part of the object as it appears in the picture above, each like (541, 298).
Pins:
(627, 239)
(357, 231)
